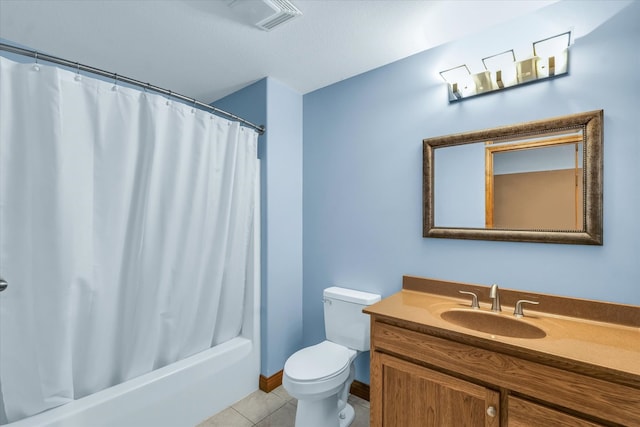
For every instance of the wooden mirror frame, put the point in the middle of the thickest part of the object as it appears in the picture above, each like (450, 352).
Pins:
(591, 122)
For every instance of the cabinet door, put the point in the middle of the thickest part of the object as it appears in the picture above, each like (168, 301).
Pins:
(411, 395)
(522, 413)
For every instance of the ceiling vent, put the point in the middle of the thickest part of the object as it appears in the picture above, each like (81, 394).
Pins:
(265, 14)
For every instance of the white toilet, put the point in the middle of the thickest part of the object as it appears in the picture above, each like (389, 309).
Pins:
(320, 376)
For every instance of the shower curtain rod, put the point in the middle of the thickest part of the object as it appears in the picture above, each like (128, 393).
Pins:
(118, 77)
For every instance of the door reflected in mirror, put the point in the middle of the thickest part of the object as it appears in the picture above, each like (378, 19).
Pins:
(535, 185)
(538, 181)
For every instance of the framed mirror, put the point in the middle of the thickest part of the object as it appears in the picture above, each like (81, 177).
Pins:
(538, 181)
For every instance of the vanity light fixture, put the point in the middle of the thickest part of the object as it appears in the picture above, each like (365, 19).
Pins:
(550, 58)
(502, 67)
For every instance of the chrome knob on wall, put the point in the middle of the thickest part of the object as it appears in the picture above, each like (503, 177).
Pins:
(3, 284)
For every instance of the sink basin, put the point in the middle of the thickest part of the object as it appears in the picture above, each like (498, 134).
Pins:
(492, 323)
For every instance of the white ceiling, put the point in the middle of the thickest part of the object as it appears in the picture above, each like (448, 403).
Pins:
(202, 49)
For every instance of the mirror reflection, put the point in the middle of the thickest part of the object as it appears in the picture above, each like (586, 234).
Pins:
(536, 181)
(537, 188)
(529, 184)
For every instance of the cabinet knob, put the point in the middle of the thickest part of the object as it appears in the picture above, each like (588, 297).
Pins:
(491, 411)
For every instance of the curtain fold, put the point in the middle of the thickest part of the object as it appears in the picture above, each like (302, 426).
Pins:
(125, 221)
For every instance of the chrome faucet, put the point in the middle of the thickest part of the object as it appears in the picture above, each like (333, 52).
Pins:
(495, 296)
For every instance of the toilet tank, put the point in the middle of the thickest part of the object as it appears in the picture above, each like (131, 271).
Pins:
(344, 321)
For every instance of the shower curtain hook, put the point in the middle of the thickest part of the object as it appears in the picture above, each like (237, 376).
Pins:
(193, 108)
(36, 67)
(115, 82)
(169, 98)
(77, 77)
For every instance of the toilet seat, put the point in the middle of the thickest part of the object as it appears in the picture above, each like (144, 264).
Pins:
(319, 362)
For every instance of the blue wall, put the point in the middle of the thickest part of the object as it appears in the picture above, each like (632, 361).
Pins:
(363, 167)
(271, 103)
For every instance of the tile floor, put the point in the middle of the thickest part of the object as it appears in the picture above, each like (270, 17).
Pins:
(275, 409)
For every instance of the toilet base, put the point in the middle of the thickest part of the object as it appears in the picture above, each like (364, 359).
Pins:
(323, 413)
(347, 416)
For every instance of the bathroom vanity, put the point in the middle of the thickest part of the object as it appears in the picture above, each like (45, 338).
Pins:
(573, 363)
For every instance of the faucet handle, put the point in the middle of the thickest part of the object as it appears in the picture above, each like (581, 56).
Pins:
(474, 299)
(518, 310)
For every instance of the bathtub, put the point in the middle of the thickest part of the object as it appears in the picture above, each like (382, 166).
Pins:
(181, 394)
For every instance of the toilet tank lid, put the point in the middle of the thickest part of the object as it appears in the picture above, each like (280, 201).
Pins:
(351, 295)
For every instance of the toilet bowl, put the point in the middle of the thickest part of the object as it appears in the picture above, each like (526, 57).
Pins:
(320, 376)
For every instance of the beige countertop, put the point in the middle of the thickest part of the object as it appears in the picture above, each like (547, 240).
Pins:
(598, 344)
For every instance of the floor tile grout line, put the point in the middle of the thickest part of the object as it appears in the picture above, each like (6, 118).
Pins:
(266, 416)
(242, 415)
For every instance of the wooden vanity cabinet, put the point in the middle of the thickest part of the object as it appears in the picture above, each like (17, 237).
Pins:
(415, 396)
(421, 379)
(523, 413)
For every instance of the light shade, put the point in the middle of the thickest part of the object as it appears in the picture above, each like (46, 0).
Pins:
(553, 54)
(502, 68)
(500, 61)
(456, 74)
(482, 82)
(552, 46)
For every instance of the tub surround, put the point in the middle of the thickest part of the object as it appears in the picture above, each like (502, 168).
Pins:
(586, 367)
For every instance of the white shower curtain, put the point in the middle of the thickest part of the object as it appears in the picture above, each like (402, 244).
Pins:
(125, 220)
